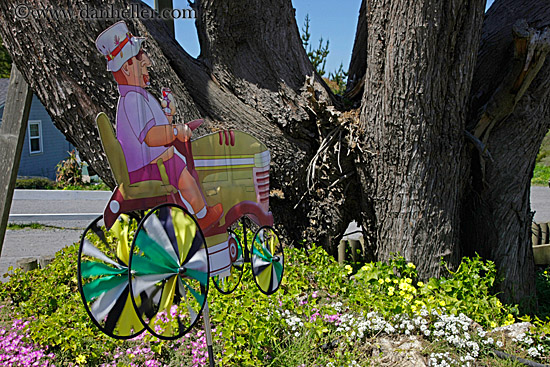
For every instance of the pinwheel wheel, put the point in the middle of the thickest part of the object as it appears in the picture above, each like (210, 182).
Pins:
(267, 260)
(227, 282)
(103, 277)
(169, 271)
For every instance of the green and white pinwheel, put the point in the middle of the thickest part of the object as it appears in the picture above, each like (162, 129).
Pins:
(169, 271)
(267, 260)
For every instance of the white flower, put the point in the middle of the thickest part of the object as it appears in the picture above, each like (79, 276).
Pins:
(533, 352)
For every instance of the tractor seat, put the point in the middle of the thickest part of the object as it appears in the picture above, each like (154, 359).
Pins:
(115, 155)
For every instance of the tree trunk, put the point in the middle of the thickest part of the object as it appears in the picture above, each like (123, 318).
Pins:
(358, 63)
(510, 117)
(420, 63)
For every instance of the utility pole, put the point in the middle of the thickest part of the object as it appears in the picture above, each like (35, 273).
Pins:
(160, 6)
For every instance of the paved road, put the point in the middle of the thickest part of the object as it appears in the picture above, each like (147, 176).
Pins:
(72, 211)
(540, 204)
(69, 211)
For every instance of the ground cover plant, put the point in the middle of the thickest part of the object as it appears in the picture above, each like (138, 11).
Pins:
(323, 315)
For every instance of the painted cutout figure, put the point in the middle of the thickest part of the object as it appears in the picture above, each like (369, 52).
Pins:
(156, 277)
(144, 126)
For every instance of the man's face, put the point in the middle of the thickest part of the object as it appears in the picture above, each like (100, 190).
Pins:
(137, 74)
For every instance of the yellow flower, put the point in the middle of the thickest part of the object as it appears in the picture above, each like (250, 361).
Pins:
(413, 308)
(442, 303)
(387, 280)
(380, 281)
(349, 269)
(411, 265)
(81, 359)
(420, 284)
(390, 291)
(395, 281)
(493, 324)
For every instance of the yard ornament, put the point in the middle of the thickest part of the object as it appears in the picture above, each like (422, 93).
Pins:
(182, 211)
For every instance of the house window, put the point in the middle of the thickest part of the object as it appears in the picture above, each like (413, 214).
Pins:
(35, 137)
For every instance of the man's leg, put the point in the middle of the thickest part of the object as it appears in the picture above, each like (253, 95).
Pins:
(192, 194)
(190, 191)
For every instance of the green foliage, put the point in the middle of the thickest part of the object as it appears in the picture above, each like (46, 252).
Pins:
(317, 56)
(339, 77)
(50, 299)
(543, 293)
(69, 171)
(24, 226)
(394, 288)
(88, 186)
(541, 175)
(40, 183)
(5, 62)
(311, 320)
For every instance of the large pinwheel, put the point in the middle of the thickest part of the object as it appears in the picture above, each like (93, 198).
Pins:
(103, 277)
(267, 260)
(169, 271)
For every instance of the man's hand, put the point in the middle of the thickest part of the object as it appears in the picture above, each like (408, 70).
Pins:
(184, 132)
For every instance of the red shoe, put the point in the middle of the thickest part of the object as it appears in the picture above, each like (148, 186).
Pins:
(213, 215)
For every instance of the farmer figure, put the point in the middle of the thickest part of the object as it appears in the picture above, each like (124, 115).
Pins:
(144, 128)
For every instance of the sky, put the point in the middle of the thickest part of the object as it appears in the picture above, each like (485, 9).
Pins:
(329, 19)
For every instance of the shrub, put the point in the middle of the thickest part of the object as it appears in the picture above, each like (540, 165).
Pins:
(69, 171)
(40, 183)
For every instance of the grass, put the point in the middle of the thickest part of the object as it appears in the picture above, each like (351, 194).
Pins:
(16, 226)
(21, 226)
(541, 175)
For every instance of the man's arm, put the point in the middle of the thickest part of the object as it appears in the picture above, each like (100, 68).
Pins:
(166, 134)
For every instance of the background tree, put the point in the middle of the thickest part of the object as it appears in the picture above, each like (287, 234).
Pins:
(434, 158)
(5, 62)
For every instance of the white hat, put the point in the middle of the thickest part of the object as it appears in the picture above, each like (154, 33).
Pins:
(118, 45)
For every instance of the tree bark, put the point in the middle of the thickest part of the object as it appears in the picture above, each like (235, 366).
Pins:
(510, 115)
(358, 63)
(420, 63)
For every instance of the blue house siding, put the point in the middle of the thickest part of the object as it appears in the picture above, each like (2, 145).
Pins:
(53, 145)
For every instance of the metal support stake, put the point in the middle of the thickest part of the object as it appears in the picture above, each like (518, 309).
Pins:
(208, 331)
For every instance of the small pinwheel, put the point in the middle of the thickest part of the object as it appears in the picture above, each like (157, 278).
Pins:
(267, 260)
(228, 281)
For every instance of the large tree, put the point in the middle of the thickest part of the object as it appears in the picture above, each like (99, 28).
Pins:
(433, 158)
